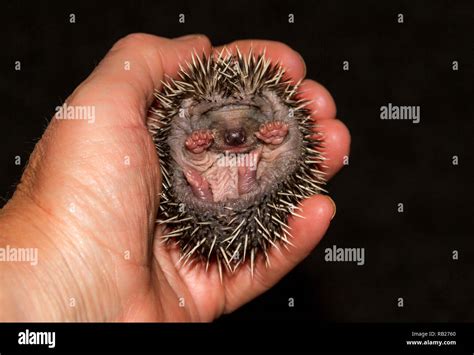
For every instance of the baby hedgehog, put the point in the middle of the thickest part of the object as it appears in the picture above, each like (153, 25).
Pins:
(238, 152)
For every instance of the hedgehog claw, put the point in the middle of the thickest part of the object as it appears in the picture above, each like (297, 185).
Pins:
(199, 141)
(273, 132)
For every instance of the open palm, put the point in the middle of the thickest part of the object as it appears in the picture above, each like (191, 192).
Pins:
(89, 196)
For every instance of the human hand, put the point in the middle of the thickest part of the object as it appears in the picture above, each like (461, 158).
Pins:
(90, 193)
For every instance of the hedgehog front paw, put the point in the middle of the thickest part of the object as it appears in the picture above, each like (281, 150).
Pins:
(199, 141)
(273, 132)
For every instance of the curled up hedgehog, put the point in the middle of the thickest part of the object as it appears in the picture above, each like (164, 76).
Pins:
(238, 152)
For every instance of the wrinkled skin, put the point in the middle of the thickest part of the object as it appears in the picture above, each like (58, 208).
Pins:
(234, 149)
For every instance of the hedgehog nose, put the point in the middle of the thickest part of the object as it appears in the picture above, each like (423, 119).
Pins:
(235, 136)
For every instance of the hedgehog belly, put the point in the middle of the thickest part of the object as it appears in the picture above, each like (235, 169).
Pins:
(238, 152)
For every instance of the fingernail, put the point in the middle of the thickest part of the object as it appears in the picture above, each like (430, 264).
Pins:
(187, 37)
(334, 206)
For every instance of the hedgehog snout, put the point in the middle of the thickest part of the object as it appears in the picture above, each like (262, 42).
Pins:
(235, 136)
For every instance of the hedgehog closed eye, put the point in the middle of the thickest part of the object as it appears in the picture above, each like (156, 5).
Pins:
(238, 153)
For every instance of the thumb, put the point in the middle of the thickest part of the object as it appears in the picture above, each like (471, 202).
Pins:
(92, 173)
(89, 193)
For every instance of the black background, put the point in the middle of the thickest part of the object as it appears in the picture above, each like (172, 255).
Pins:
(407, 254)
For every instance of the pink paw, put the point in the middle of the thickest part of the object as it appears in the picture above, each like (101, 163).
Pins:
(273, 132)
(199, 185)
(199, 141)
